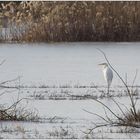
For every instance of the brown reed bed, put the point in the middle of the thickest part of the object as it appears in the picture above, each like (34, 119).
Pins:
(75, 21)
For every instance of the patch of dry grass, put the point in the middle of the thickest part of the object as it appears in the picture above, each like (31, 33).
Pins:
(17, 113)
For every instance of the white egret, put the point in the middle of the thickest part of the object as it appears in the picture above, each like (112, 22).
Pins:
(108, 74)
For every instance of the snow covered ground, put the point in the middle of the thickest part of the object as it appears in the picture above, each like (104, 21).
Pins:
(50, 73)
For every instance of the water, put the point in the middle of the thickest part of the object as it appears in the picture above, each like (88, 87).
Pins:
(71, 63)
(65, 63)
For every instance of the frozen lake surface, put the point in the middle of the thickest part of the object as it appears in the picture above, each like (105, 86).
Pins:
(67, 62)
(54, 70)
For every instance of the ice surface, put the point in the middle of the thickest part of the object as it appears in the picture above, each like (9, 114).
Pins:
(67, 62)
(61, 68)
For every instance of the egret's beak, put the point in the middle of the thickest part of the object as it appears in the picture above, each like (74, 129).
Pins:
(100, 64)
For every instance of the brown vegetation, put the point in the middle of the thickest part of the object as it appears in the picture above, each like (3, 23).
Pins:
(14, 113)
(75, 21)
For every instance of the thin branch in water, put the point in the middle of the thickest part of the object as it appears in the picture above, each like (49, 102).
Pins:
(133, 85)
(8, 81)
(96, 115)
(109, 120)
(16, 103)
(119, 108)
(97, 126)
(136, 73)
(2, 62)
(100, 103)
(125, 107)
(126, 78)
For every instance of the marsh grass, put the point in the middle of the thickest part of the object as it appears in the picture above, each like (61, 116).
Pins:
(16, 112)
(74, 21)
(62, 133)
(130, 119)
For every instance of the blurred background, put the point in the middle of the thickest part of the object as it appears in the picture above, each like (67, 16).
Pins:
(46, 21)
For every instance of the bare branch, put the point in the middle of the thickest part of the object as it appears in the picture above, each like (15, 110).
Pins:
(96, 115)
(98, 102)
(8, 81)
(128, 91)
(119, 108)
(16, 103)
(134, 78)
(2, 62)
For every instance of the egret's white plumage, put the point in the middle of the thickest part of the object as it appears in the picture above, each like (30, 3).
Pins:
(108, 74)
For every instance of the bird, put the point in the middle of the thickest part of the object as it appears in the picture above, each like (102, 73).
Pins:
(108, 74)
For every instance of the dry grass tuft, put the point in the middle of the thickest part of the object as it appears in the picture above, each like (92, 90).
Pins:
(17, 113)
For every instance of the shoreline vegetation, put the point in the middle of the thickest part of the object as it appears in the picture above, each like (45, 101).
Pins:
(45, 21)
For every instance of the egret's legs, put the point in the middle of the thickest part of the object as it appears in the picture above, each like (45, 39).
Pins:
(108, 89)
